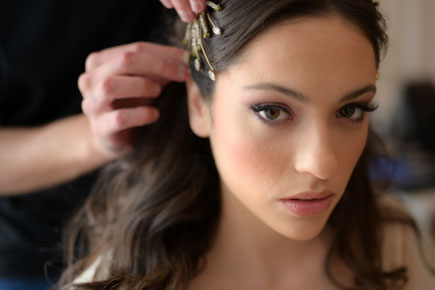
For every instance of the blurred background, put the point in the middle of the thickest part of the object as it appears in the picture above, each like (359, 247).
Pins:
(406, 116)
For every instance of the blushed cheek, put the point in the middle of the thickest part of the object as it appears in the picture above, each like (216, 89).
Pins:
(245, 159)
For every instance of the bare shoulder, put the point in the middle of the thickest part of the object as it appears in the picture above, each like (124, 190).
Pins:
(401, 246)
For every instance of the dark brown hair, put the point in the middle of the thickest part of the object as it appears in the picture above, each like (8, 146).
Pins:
(153, 214)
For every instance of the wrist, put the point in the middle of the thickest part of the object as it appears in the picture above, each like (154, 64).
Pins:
(95, 152)
(84, 152)
(102, 151)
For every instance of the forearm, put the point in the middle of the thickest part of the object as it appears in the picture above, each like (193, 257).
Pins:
(36, 158)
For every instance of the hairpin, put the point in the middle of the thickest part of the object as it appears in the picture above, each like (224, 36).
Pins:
(198, 30)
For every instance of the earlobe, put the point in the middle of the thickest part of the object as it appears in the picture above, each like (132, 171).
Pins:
(199, 116)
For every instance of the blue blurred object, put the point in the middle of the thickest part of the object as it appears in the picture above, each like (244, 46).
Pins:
(25, 284)
(405, 172)
(412, 165)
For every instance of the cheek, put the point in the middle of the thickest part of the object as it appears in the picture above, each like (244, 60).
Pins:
(246, 159)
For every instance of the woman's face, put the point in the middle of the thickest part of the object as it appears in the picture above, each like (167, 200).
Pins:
(287, 123)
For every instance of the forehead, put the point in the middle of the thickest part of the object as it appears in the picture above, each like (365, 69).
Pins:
(317, 51)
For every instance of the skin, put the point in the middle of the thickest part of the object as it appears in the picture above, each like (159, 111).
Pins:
(311, 147)
(186, 9)
(106, 130)
(118, 88)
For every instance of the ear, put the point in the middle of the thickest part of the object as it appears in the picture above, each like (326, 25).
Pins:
(199, 110)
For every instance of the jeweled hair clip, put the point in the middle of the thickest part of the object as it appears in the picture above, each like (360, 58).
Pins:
(199, 30)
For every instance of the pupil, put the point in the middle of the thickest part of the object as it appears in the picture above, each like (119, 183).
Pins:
(272, 113)
(348, 112)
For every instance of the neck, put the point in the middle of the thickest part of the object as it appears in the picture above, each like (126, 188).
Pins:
(245, 246)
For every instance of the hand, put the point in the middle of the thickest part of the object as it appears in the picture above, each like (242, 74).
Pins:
(119, 87)
(186, 8)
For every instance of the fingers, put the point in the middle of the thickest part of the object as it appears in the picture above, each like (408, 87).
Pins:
(158, 63)
(97, 58)
(167, 3)
(119, 88)
(197, 5)
(151, 67)
(101, 97)
(186, 9)
(113, 122)
(144, 64)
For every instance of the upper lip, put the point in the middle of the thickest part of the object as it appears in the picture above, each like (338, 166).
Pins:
(310, 195)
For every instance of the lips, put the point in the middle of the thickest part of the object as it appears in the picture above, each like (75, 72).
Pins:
(310, 195)
(309, 203)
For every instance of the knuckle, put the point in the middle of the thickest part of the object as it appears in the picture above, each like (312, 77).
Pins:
(138, 47)
(85, 107)
(119, 120)
(105, 87)
(126, 59)
(89, 109)
(84, 81)
(91, 60)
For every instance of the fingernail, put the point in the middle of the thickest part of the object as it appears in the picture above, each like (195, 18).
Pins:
(196, 6)
(187, 16)
(182, 71)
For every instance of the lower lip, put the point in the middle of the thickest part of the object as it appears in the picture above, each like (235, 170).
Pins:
(308, 207)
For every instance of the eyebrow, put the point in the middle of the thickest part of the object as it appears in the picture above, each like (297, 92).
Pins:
(301, 97)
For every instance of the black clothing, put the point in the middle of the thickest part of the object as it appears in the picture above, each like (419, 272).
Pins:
(43, 47)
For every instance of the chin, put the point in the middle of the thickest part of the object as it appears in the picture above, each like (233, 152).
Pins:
(303, 230)
(304, 236)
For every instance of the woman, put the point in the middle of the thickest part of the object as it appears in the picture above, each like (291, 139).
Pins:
(257, 178)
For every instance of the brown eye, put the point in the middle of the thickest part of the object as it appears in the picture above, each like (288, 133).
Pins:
(355, 112)
(347, 112)
(272, 113)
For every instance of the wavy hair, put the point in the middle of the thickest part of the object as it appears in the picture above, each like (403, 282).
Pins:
(153, 214)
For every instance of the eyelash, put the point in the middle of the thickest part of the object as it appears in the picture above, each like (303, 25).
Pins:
(258, 109)
(365, 108)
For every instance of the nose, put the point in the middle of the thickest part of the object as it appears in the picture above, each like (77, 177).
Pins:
(316, 152)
